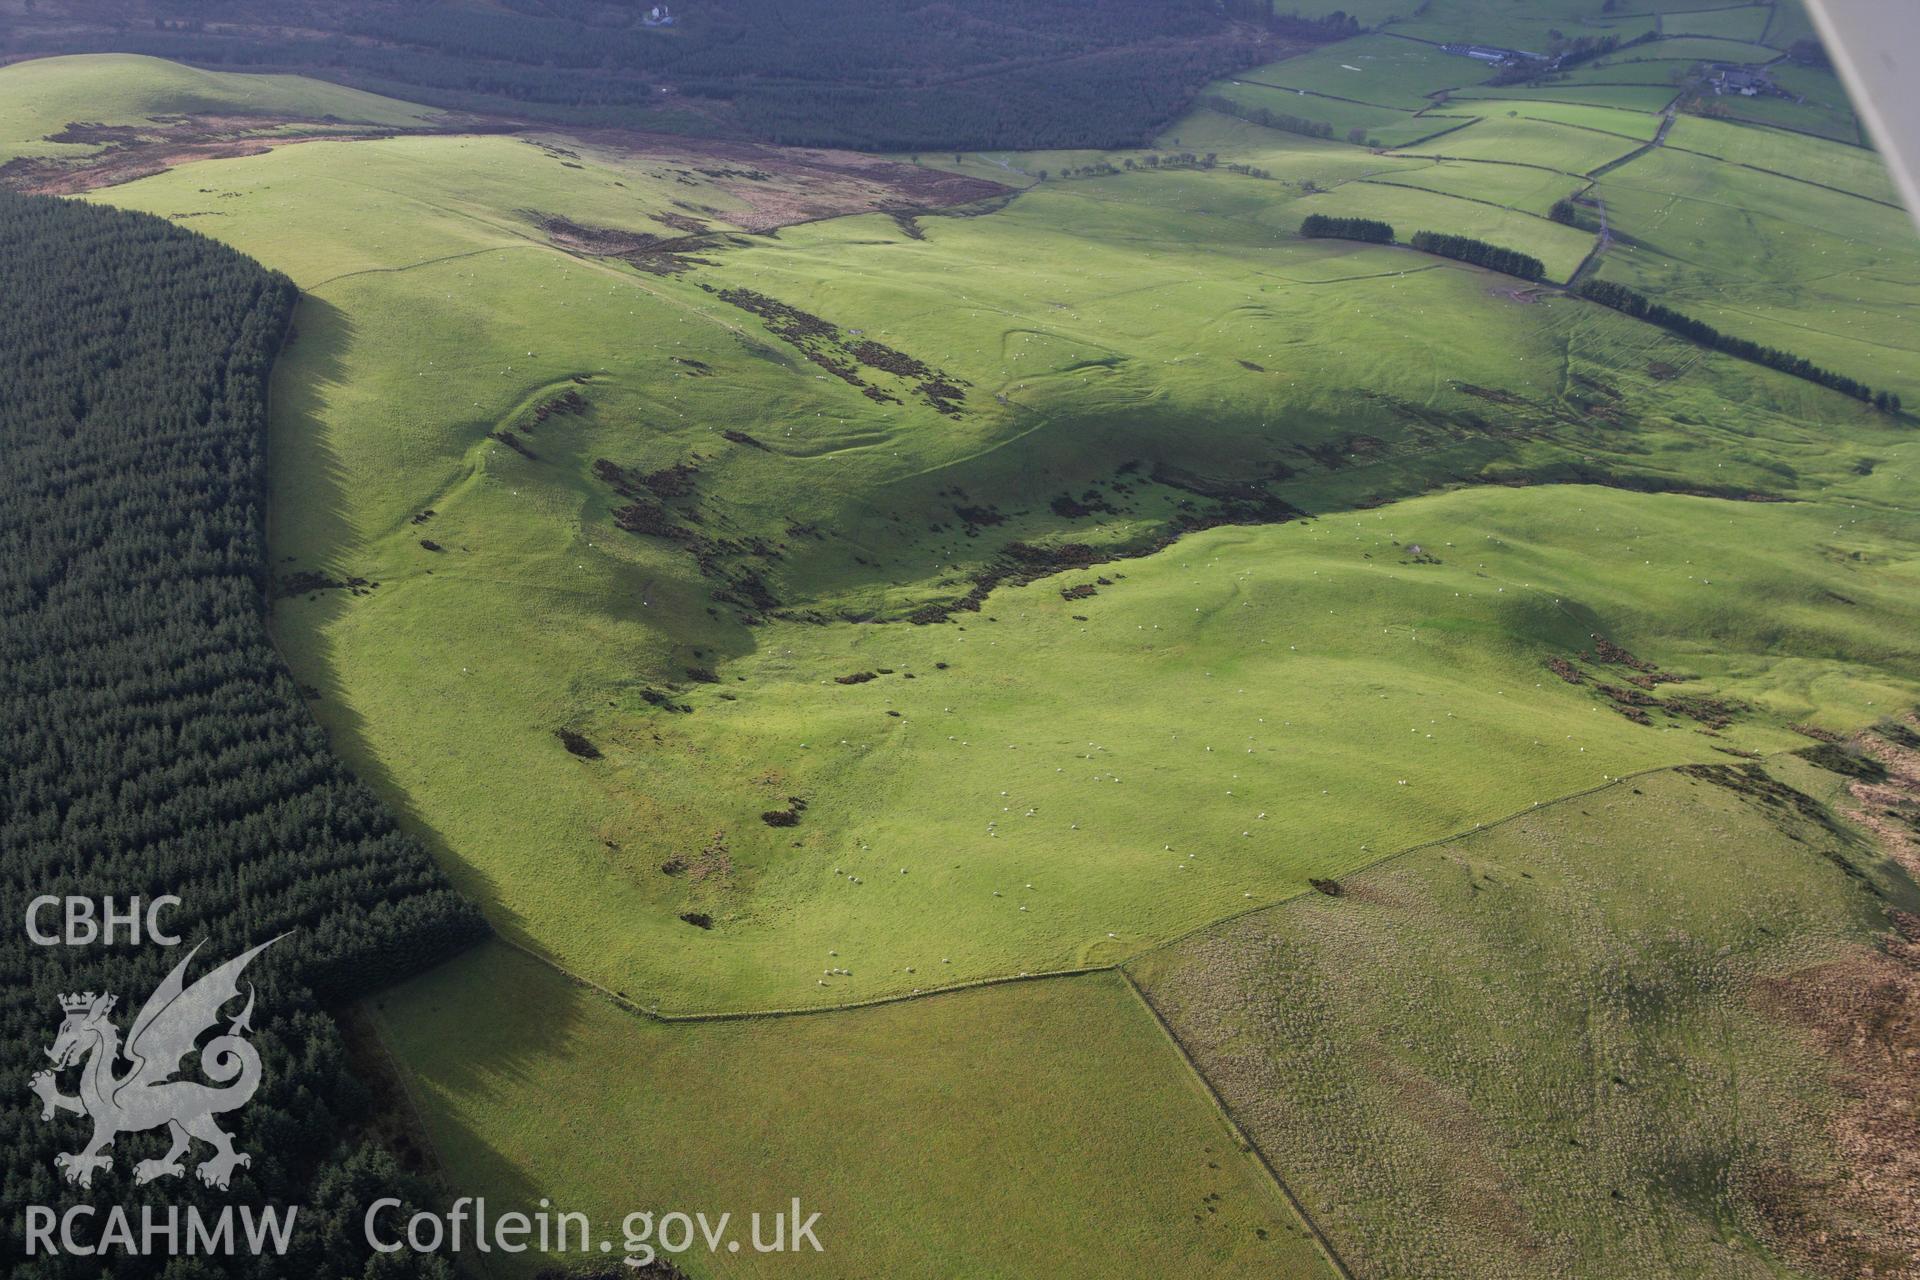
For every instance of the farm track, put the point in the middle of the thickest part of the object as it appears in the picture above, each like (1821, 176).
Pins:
(1600, 246)
(1659, 139)
(1605, 238)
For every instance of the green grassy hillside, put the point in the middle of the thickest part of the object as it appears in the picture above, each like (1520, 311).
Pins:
(766, 587)
(1122, 350)
(42, 97)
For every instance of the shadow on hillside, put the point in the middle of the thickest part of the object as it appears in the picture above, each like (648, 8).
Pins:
(320, 537)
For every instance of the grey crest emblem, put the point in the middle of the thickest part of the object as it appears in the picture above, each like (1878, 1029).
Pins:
(147, 1094)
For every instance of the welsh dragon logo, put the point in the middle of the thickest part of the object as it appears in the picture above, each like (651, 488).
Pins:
(146, 1095)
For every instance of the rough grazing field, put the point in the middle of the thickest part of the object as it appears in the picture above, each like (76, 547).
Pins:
(1473, 1055)
(777, 580)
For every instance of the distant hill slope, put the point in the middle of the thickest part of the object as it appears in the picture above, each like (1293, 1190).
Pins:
(871, 74)
(42, 101)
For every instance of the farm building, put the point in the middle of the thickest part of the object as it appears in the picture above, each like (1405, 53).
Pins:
(1490, 53)
(1748, 82)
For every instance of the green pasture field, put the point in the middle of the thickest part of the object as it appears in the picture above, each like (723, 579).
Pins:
(1099, 321)
(1087, 1148)
(438, 199)
(1637, 125)
(1409, 210)
(1472, 1061)
(1541, 143)
(1667, 9)
(1800, 117)
(1367, 12)
(1819, 105)
(43, 96)
(1389, 125)
(1817, 86)
(1744, 22)
(1292, 157)
(1652, 72)
(1052, 841)
(1852, 169)
(1689, 48)
(1520, 24)
(1800, 267)
(1586, 87)
(1379, 69)
(1517, 187)
(1791, 22)
(1296, 156)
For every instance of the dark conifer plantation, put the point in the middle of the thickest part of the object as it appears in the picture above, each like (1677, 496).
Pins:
(1318, 226)
(1481, 254)
(151, 740)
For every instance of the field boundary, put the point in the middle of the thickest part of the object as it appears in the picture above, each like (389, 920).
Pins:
(1491, 204)
(1385, 858)
(1575, 102)
(1331, 97)
(1247, 1144)
(1512, 164)
(1753, 123)
(1775, 173)
(1438, 133)
(654, 1014)
(845, 1006)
